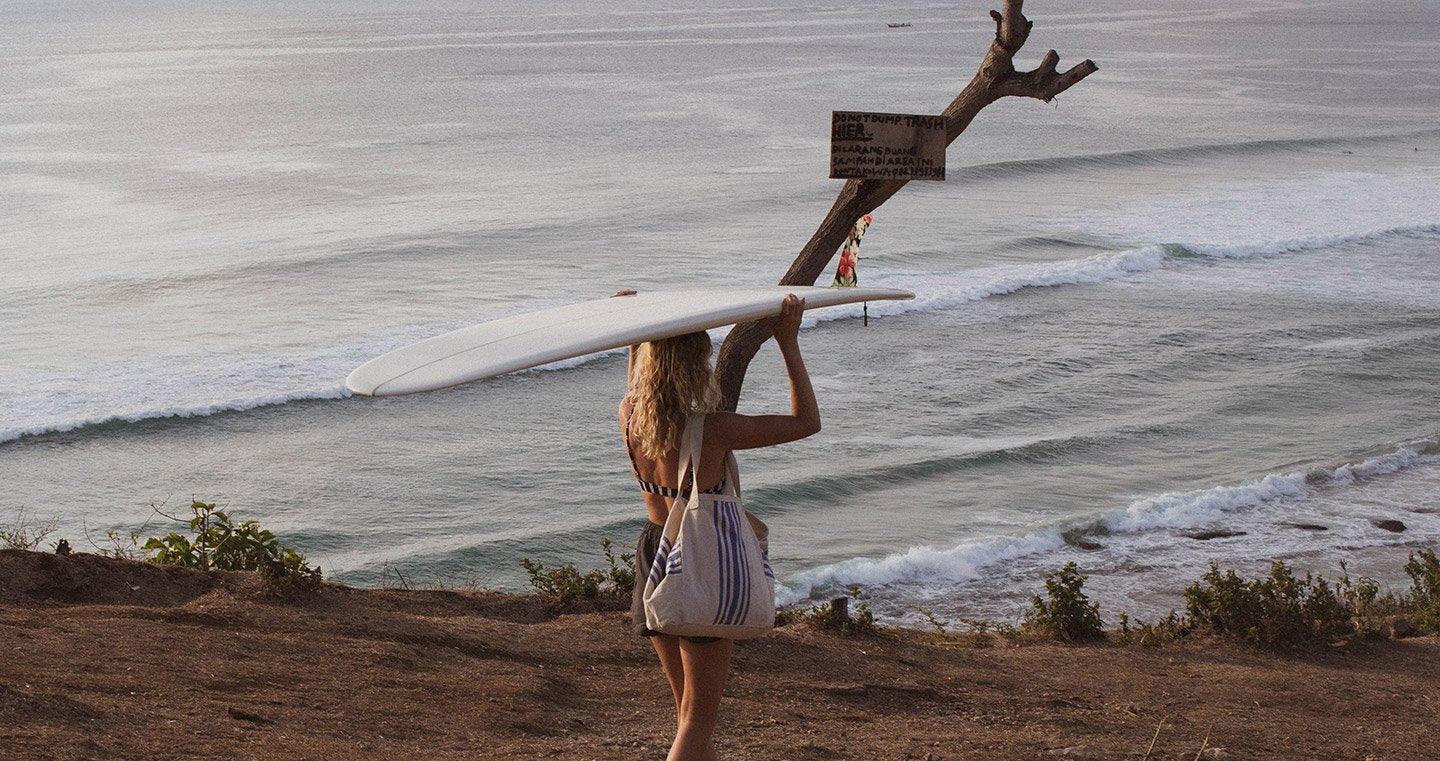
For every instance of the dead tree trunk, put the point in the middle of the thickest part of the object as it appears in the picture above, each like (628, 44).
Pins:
(996, 79)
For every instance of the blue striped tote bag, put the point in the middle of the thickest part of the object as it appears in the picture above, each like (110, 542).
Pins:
(711, 576)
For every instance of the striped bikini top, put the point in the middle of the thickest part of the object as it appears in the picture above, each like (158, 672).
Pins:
(650, 487)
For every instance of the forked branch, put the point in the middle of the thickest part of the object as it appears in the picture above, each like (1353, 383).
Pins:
(996, 79)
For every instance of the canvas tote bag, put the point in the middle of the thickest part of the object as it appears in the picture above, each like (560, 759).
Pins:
(711, 576)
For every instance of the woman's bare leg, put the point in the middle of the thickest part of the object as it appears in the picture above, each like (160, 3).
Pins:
(668, 648)
(705, 666)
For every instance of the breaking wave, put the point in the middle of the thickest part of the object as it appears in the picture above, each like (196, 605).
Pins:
(1170, 510)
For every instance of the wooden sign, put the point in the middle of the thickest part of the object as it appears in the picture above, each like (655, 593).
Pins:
(866, 146)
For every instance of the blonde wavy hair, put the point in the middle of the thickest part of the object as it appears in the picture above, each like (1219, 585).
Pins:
(671, 380)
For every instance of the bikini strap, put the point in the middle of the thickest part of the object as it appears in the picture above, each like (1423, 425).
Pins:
(631, 452)
(635, 467)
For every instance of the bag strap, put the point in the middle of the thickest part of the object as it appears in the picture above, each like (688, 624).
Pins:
(732, 473)
(691, 442)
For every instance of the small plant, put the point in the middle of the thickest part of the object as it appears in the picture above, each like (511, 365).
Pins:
(986, 627)
(940, 627)
(863, 620)
(121, 546)
(26, 533)
(836, 614)
(567, 583)
(984, 631)
(1278, 610)
(1373, 610)
(978, 625)
(1065, 613)
(218, 542)
(117, 544)
(621, 573)
(1167, 629)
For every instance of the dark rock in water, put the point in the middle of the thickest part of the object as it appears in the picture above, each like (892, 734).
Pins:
(1395, 526)
(1078, 538)
(1206, 536)
(1307, 526)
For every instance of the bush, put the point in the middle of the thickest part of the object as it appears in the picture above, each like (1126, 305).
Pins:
(1275, 611)
(218, 542)
(1065, 613)
(567, 583)
(1422, 602)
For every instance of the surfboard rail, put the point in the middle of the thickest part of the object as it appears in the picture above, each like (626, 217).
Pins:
(522, 341)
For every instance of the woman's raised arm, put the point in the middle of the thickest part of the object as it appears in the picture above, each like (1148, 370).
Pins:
(735, 431)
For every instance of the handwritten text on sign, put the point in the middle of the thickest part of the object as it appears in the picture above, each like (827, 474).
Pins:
(886, 146)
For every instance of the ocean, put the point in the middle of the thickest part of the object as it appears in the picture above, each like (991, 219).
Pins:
(1198, 292)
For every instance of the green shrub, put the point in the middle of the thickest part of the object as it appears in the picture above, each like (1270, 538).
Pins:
(218, 542)
(567, 583)
(1275, 611)
(1422, 602)
(1065, 613)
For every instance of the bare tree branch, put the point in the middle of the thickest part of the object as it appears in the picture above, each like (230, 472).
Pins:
(995, 79)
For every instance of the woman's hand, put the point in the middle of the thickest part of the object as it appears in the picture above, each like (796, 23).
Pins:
(787, 325)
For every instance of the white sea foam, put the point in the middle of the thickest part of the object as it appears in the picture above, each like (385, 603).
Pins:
(1171, 510)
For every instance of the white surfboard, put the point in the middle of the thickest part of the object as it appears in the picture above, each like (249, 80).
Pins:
(523, 341)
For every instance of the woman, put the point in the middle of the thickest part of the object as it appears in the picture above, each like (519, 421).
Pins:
(669, 380)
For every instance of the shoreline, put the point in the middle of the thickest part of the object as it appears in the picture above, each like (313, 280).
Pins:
(128, 659)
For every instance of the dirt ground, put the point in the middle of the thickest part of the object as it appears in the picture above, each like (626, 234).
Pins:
(106, 659)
